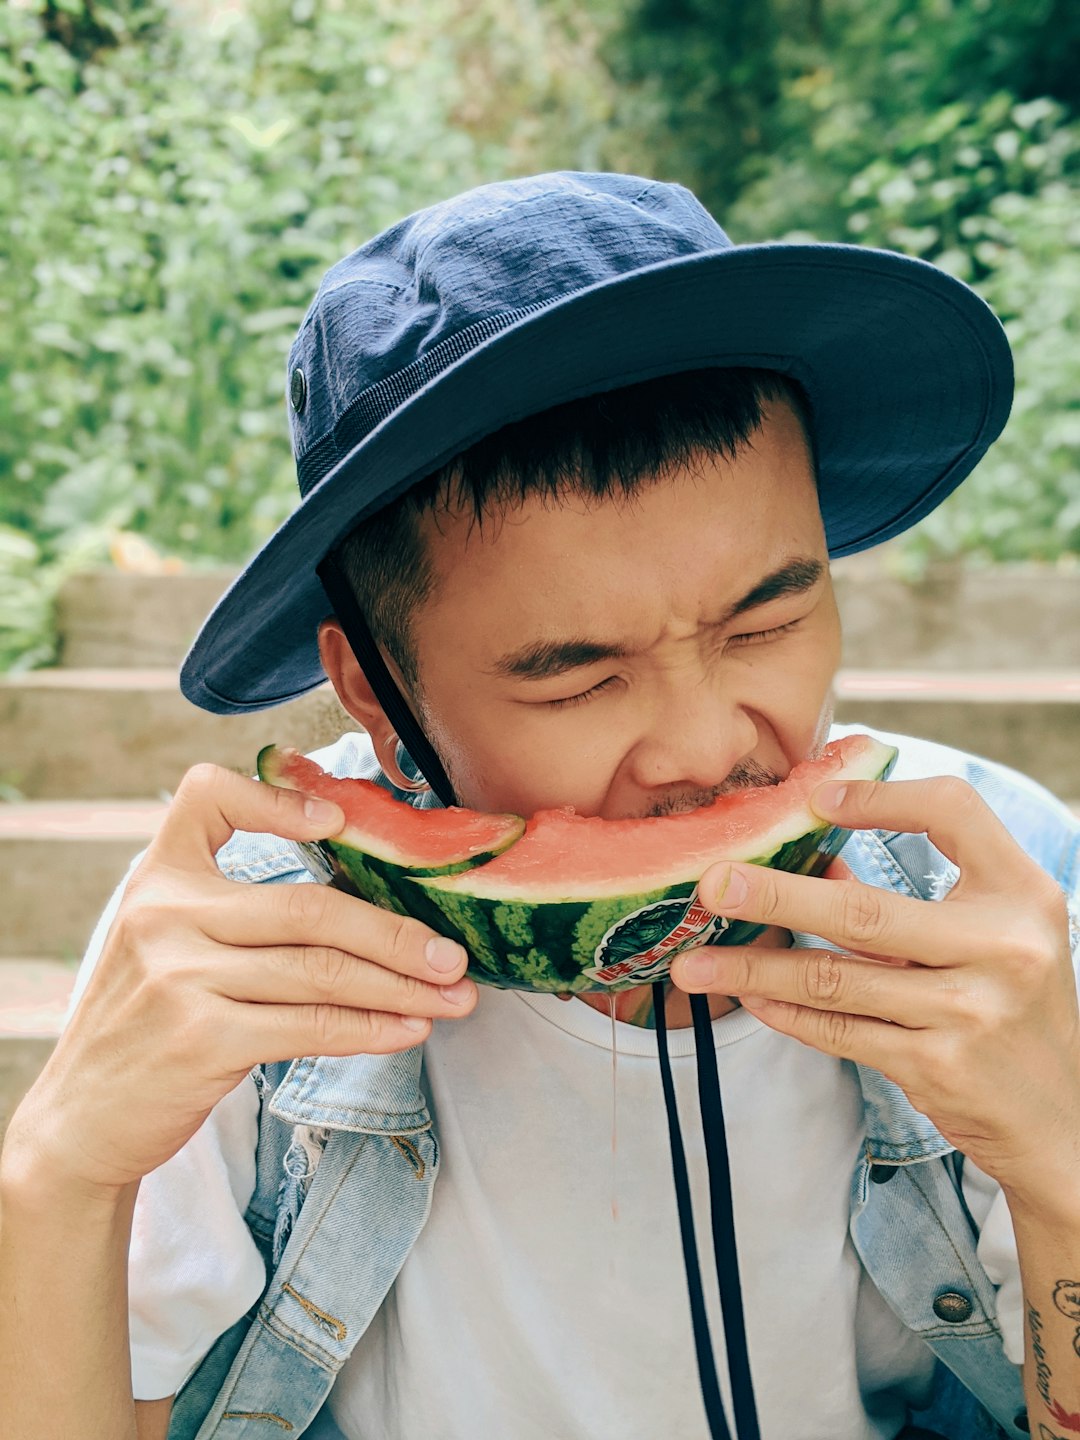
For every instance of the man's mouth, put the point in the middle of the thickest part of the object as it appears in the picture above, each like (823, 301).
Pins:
(745, 776)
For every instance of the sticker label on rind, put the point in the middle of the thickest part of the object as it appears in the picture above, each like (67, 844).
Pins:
(639, 946)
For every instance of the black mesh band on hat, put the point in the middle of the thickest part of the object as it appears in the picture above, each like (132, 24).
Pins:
(373, 405)
(395, 707)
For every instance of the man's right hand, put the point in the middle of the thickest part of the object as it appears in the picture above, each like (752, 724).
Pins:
(200, 978)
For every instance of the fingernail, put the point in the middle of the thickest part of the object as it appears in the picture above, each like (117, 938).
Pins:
(458, 993)
(697, 969)
(444, 955)
(827, 798)
(413, 1022)
(735, 891)
(322, 812)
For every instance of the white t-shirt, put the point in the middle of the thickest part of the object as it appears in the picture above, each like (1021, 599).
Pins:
(525, 1308)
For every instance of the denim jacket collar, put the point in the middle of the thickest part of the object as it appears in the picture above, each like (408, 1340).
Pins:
(367, 1094)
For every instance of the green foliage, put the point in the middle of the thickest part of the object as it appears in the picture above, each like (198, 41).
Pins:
(174, 181)
(949, 131)
(701, 82)
(174, 188)
(1023, 502)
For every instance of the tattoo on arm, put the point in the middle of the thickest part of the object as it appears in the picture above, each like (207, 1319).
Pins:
(1042, 1369)
(1066, 1299)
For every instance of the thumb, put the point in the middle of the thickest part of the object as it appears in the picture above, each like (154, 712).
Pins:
(212, 803)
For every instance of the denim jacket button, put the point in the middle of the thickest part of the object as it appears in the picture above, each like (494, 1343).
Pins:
(879, 1174)
(952, 1307)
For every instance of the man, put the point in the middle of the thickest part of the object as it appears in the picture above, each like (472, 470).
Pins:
(573, 468)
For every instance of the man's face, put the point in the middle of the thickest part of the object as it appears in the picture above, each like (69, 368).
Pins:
(613, 655)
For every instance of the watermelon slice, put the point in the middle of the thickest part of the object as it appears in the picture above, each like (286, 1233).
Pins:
(384, 838)
(569, 902)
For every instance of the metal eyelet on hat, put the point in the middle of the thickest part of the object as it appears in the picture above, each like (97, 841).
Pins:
(298, 390)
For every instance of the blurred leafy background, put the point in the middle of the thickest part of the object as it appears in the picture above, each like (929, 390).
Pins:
(175, 176)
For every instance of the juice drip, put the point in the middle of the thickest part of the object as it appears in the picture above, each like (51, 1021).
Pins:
(614, 1111)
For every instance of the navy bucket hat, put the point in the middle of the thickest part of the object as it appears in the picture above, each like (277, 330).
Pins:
(518, 296)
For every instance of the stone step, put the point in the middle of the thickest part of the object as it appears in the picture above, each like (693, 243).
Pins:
(34, 996)
(1028, 721)
(127, 734)
(61, 860)
(992, 619)
(115, 618)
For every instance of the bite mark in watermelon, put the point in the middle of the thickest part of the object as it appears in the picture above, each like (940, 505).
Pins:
(570, 902)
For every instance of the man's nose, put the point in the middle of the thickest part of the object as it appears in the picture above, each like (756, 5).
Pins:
(695, 739)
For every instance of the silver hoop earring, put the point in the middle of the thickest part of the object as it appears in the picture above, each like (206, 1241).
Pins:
(404, 773)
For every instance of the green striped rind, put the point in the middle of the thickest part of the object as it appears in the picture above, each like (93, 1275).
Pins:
(376, 880)
(517, 945)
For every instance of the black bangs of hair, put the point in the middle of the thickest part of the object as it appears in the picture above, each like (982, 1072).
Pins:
(602, 446)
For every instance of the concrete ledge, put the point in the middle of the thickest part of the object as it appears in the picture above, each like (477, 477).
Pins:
(80, 734)
(977, 687)
(110, 617)
(21, 1061)
(1040, 738)
(123, 820)
(34, 996)
(995, 619)
(57, 887)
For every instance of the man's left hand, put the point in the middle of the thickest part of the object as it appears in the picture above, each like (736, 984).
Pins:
(969, 1005)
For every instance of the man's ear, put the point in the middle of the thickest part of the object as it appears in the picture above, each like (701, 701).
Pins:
(353, 690)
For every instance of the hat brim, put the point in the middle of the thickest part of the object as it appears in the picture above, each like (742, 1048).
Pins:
(908, 373)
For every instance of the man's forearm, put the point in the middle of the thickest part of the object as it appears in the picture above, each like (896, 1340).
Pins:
(1049, 1247)
(65, 1363)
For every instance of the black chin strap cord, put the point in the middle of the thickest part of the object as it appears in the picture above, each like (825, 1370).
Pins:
(710, 1386)
(396, 708)
(723, 1228)
(723, 1222)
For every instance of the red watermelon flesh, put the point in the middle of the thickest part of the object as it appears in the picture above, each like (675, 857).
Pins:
(574, 857)
(425, 842)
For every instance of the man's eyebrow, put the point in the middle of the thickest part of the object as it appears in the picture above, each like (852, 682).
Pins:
(793, 578)
(547, 658)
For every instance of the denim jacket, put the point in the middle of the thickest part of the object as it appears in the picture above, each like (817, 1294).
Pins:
(334, 1236)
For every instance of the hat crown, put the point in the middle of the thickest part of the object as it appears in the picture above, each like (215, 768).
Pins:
(421, 294)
